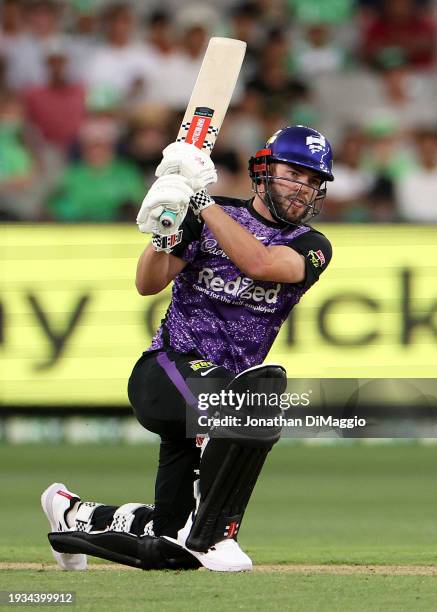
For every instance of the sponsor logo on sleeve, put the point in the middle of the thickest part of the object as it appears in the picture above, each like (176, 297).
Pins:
(317, 258)
(199, 364)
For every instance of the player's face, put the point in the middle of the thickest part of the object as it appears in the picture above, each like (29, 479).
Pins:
(292, 188)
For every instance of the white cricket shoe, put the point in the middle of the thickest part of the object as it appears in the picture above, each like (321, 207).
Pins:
(56, 501)
(225, 556)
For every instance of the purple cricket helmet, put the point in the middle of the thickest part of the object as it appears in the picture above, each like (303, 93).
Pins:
(299, 145)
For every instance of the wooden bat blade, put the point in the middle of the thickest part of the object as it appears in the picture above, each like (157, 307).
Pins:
(210, 99)
(212, 92)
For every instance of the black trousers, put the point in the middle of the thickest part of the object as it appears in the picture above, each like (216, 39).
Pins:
(162, 390)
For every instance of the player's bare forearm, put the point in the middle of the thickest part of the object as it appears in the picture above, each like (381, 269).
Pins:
(239, 245)
(156, 270)
(275, 263)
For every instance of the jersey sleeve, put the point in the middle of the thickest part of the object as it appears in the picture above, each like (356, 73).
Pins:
(191, 230)
(317, 251)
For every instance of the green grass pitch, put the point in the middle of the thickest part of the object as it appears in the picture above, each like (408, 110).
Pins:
(330, 506)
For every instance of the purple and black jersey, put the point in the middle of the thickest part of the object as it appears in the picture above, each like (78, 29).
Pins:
(217, 311)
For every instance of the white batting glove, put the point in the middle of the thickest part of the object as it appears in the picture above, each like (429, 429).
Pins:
(168, 193)
(188, 161)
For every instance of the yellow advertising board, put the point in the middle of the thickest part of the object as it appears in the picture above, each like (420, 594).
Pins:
(72, 324)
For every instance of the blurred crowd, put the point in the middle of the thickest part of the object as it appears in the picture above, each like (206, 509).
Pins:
(91, 91)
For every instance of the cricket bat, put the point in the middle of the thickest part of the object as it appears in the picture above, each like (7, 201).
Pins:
(210, 98)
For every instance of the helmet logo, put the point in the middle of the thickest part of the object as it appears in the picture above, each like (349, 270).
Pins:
(273, 137)
(316, 143)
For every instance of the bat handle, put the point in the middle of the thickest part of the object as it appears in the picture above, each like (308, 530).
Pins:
(167, 219)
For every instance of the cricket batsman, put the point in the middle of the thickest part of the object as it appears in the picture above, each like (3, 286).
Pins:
(238, 268)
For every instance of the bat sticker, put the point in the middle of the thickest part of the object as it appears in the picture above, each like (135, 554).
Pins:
(199, 126)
